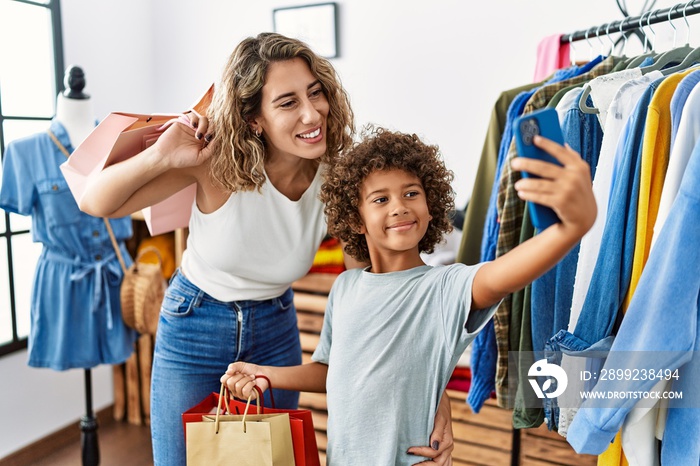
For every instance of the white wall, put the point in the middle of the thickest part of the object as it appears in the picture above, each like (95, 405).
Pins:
(433, 68)
(37, 402)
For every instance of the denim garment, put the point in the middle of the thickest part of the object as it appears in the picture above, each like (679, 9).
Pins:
(75, 306)
(552, 292)
(484, 350)
(612, 273)
(663, 316)
(566, 343)
(198, 337)
(613, 269)
(615, 134)
(678, 101)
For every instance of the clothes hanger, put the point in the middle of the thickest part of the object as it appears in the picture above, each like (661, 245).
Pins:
(612, 43)
(602, 44)
(639, 33)
(636, 61)
(586, 87)
(691, 59)
(572, 51)
(677, 54)
(590, 46)
(624, 43)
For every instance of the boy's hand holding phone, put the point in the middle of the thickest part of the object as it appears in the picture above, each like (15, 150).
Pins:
(544, 123)
(558, 182)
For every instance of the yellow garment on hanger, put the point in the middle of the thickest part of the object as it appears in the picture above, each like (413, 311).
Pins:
(656, 149)
(613, 456)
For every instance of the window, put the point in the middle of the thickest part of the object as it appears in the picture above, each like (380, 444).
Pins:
(31, 76)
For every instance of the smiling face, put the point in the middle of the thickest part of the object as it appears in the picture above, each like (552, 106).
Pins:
(293, 112)
(394, 215)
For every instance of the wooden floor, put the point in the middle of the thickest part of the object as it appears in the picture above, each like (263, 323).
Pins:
(120, 444)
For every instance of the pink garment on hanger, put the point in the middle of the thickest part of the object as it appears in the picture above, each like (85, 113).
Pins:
(551, 56)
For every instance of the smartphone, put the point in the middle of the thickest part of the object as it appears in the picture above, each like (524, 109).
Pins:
(545, 123)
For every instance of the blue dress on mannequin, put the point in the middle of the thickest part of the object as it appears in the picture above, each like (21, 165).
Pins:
(75, 306)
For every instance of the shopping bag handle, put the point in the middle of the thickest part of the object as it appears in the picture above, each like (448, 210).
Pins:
(269, 387)
(245, 413)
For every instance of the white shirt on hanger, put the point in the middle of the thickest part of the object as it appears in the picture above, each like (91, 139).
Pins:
(604, 89)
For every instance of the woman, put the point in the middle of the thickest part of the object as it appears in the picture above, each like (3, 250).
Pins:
(277, 116)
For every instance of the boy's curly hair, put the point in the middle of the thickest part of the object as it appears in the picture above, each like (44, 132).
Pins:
(381, 149)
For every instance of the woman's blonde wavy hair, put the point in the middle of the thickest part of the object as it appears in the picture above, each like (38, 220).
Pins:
(238, 154)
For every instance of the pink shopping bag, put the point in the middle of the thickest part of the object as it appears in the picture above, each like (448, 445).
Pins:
(120, 136)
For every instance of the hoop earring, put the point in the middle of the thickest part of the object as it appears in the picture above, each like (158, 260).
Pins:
(258, 132)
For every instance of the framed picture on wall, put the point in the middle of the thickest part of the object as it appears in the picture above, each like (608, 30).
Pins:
(314, 24)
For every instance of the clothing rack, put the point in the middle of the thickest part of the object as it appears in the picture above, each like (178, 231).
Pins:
(634, 22)
(635, 25)
(630, 23)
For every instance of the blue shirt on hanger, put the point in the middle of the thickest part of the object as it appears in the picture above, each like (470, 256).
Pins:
(612, 273)
(660, 332)
(552, 293)
(613, 269)
(679, 98)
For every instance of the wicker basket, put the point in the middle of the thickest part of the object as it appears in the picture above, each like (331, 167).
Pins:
(142, 291)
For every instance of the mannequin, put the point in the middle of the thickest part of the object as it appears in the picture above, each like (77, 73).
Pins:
(75, 304)
(74, 107)
(74, 111)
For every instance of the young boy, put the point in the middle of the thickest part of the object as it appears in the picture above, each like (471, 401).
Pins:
(393, 332)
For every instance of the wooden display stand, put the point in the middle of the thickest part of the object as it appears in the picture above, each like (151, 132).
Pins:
(486, 438)
(132, 379)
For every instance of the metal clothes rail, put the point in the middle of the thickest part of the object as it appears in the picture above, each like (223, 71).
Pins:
(635, 22)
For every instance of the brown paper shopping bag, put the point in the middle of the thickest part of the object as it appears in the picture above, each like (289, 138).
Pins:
(244, 440)
(301, 421)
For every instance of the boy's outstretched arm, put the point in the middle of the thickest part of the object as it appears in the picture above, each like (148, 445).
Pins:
(567, 190)
(240, 378)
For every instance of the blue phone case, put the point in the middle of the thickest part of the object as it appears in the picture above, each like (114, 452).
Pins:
(544, 122)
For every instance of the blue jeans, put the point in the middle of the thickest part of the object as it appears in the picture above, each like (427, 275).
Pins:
(198, 336)
(567, 343)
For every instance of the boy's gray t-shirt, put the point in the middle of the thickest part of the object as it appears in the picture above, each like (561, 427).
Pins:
(391, 342)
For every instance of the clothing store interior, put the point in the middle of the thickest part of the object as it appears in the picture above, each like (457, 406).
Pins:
(78, 341)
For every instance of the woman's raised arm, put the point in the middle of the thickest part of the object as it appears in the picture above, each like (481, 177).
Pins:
(174, 162)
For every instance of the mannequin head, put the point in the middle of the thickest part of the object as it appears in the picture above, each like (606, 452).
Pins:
(238, 154)
(74, 80)
(74, 107)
